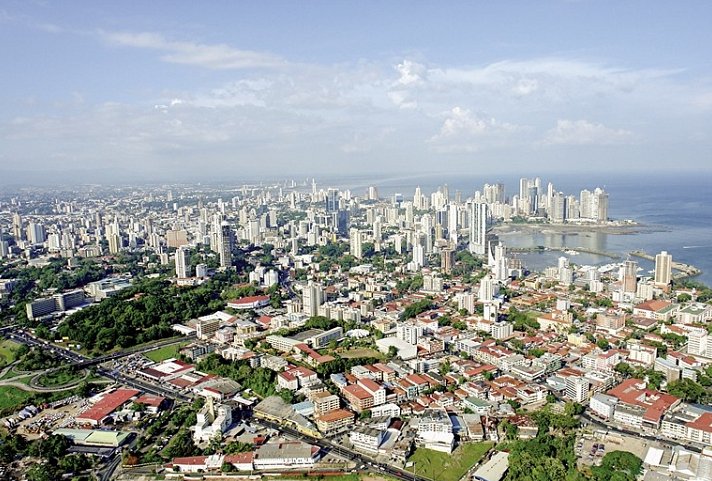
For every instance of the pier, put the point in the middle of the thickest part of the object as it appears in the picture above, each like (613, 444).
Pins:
(683, 270)
(583, 250)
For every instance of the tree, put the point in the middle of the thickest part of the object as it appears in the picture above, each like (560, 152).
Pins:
(392, 351)
(41, 472)
(603, 343)
(365, 414)
(511, 430)
(573, 409)
(688, 390)
(623, 368)
(618, 466)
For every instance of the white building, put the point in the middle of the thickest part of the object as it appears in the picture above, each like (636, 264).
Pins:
(212, 421)
(435, 430)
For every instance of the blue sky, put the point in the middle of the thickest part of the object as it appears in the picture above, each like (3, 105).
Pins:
(215, 90)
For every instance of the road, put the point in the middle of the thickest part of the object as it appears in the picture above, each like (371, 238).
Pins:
(345, 453)
(80, 360)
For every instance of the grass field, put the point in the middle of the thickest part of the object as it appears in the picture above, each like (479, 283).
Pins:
(448, 467)
(59, 378)
(166, 352)
(7, 352)
(11, 397)
(360, 352)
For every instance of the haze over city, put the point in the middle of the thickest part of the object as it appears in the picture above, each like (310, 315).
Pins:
(181, 91)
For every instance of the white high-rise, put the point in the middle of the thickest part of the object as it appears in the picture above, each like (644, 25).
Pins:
(663, 268)
(478, 228)
(312, 298)
(355, 243)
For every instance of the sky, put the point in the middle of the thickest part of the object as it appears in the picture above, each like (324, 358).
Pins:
(226, 90)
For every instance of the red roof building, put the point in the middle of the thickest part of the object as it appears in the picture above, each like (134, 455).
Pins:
(106, 405)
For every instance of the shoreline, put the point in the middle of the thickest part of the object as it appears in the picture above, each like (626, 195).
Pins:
(616, 228)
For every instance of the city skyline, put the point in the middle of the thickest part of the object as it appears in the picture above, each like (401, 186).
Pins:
(103, 93)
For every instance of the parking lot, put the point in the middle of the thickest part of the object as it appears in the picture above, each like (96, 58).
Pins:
(591, 447)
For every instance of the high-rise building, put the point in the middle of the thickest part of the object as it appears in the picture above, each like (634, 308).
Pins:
(447, 257)
(600, 205)
(355, 243)
(36, 233)
(629, 278)
(17, 227)
(332, 200)
(663, 268)
(312, 298)
(115, 243)
(225, 244)
(182, 263)
(558, 208)
(478, 228)
(4, 249)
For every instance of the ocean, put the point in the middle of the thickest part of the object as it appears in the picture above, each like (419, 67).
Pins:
(675, 211)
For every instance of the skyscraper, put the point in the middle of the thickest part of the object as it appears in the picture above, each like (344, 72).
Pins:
(558, 208)
(663, 268)
(332, 200)
(225, 244)
(312, 298)
(36, 233)
(478, 228)
(17, 227)
(182, 263)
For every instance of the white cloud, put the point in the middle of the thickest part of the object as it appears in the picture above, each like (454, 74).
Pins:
(465, 131)
(216, 56)
(411, 73)
(583, 132)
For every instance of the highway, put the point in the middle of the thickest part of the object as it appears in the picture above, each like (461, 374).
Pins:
(79, 360)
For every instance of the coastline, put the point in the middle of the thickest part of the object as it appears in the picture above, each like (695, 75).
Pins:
(613, 228)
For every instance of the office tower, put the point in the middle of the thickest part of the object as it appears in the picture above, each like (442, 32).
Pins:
(478, 228)
(630, 276)
(332, 200)
(115, 243)
(312, 298)
(182, 263)
(533, 197)
(663, 268)
(558, 208)
(355, 243)
(340, 221)
(4, 249)
(225, 244)
(17, 227)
